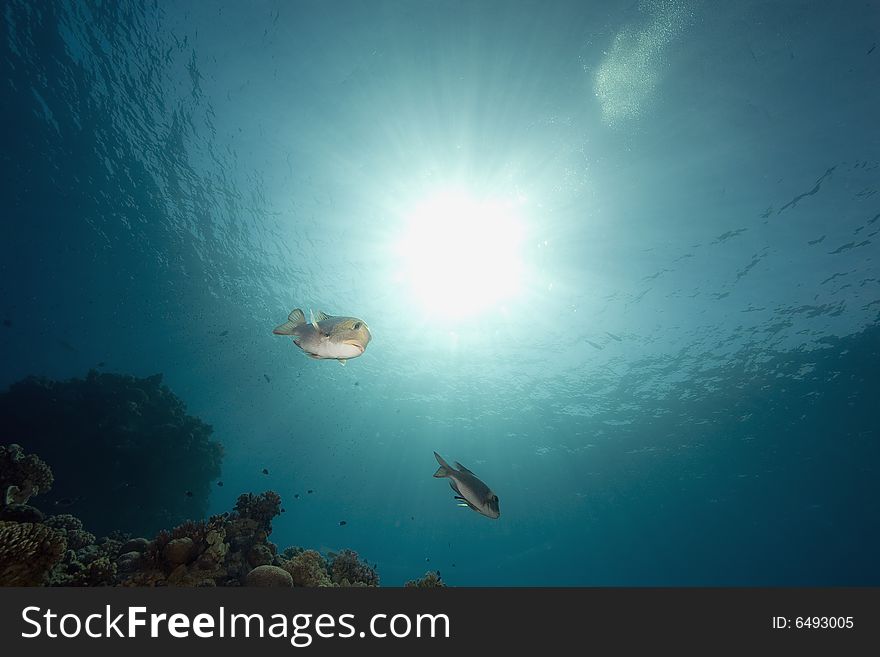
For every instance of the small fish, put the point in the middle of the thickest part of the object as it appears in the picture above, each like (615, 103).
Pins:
(469, 490)
(220, 483)
(453, 565)
(67, 501)
(326, 336)
(357, 383)
(427, 560)
(268, 380)
(102, 364)
(189, 493)
(296, 496)
(265, 471)
(310, 491)
(224, 334)
(283, 510)
(68, 347)
(342, 523)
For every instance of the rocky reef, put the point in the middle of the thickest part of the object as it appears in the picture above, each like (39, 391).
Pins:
(110, 438)
(231, 549)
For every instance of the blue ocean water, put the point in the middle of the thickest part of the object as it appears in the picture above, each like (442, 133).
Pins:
(661, 353)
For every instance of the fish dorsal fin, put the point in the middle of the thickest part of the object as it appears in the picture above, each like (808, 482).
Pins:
(321, 316)
(462, 468)
(294, 320)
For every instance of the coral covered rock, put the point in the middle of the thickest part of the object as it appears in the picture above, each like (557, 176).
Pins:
(135, 545)
(28, 552)
(128, 562)
(178, 551)
(265, 576)
(259, 555)
(22, 475)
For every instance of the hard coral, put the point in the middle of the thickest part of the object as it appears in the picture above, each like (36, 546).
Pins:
(431, 580)
(269, 576)
(307, 568)
(100, 572)
(28, 552)
(64, 521)
(261, 508)
(347, 570)
(77, 539)
(22, 475)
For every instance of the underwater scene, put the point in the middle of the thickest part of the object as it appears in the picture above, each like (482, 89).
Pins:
(440, 293)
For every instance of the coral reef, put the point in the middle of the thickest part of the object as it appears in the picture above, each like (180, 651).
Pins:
(230, 549)
(22, 475)
(347, 570)
(28, 552)
(109, 438)
(269, 576)
(261, 508)
(306, 567)
(431, 580)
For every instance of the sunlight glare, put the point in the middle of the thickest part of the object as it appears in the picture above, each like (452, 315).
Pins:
(461, 255)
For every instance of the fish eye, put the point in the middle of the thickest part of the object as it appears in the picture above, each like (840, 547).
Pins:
(357, 325)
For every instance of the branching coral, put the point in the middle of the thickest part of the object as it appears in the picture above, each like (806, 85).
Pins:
(64, 521)
(72, 527)
(347, 570)
(306, 567)
(431, 580)
(28, 552)
(261, 508)
(22, 475)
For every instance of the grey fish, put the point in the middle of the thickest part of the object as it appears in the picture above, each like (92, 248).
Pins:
(469, 490)
(338, 338)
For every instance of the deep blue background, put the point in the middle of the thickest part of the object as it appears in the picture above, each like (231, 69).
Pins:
(684, 392)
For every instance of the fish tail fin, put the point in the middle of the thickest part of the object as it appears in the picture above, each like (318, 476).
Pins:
(295, 319)
(445, 469)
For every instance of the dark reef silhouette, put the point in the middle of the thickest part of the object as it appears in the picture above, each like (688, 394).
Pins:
(113, 442)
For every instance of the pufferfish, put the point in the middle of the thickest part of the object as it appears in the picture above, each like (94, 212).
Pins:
(325, 336)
